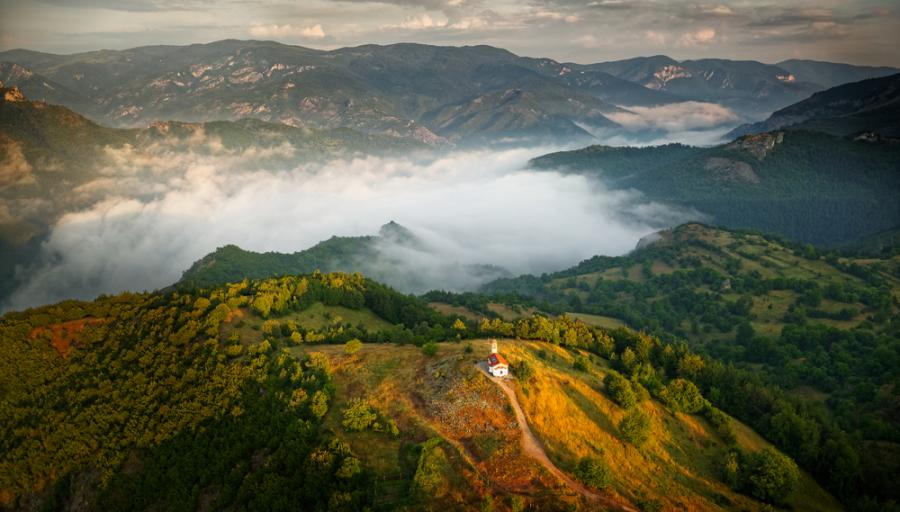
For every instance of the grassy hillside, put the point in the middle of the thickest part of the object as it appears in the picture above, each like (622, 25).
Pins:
(819, 329)
(807, 186)
(445, 398)
(259, 395)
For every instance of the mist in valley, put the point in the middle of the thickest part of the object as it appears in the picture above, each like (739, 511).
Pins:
(163, 209)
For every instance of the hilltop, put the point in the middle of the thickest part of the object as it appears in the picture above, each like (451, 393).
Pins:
(395, 256)
(259, 395)
(815, 329)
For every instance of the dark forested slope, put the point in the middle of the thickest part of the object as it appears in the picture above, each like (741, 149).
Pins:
(807, 186)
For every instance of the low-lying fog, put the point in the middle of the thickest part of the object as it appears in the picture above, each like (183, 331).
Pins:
(164, 211)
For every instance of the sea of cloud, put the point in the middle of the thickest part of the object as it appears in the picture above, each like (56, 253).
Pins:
(159, 211)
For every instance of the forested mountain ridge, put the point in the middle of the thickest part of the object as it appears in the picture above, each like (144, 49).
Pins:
(867, 106)
(226, 396)
(467, 94)
(385, 257)
(807, 186)
(816, 330)
(405, 90)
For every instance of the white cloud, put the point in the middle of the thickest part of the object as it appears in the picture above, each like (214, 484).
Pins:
(720, 10)
(470, 207)
(287, 31)
(655, 37)
(675, 117)
(701, 37)
(420, 22)
(552, 15)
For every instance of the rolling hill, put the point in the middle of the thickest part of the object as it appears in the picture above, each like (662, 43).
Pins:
(821, 329)
(258, 395)
(807, 186)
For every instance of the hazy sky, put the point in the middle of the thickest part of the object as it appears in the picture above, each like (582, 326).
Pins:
(863, 31)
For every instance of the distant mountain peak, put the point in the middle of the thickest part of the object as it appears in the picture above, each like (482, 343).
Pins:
(398, 234)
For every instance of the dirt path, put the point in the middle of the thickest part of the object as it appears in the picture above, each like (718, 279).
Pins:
(533, 449)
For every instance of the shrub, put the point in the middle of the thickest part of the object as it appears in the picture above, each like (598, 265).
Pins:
(682, 395)
(620, 390)
(731, 469)
(352, 346)
(581, 364)
(430, 349)
(771, 476)
(721, 422)
(635, 427)
(468, 349)
(319, 405)
(234, 350)
(594, 472)
(523, 371)
(358, 415)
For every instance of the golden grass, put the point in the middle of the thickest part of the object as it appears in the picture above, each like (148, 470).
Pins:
(679, 465)
(567, 409)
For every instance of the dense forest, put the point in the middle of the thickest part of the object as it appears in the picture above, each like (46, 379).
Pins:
(144, 401)
(807, 186)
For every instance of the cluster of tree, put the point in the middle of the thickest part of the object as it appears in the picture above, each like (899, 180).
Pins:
(146, 408)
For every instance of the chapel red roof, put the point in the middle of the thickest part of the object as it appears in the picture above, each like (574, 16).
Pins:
(495, 359)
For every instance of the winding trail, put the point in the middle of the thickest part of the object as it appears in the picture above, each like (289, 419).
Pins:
(532, 447)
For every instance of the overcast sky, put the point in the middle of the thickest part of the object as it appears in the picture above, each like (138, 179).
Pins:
(861, 32)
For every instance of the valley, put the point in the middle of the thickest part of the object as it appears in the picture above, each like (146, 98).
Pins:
(449, 255)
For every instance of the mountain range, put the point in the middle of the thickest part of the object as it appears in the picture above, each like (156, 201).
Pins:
(472, 94)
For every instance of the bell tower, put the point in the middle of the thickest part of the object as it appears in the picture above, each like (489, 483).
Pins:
(493, 346)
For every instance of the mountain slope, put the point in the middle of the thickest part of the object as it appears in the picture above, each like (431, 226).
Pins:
(259, 395)
(187, 407)
(812, 329)
(867, 106)
(378, 89)
(750, 87)
(807, 186)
